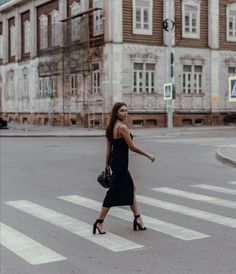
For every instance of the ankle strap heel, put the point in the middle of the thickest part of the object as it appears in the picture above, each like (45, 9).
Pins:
(136, 225)
(95, 228)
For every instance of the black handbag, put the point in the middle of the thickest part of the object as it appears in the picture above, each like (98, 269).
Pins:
(104, 179)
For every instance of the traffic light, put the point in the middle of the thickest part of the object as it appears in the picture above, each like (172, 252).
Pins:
(172, 58)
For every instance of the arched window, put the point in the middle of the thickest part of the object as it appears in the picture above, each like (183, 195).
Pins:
(55, 28)
(75, 23)
(43, 31)
(27, 38)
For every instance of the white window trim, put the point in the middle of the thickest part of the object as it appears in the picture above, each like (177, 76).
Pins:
(192, 73)
(144, 78)
(230, 7)
(143, 31)
(27, 36)
(55, 30)
(194, 3)
(98, 4)
(96, 85)
(13, 40)
(43, 35)
(74, 86)
(75, 9)
(1, 46)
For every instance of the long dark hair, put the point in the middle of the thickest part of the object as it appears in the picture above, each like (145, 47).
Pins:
(113, 119)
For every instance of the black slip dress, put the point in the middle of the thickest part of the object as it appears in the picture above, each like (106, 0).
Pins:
(121, 191)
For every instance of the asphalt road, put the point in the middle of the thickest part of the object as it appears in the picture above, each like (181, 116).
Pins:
(46, 230)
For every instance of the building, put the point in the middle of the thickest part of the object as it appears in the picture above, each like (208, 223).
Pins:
(67, 61)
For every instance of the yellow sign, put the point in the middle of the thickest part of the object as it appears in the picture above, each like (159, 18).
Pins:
(232, 88)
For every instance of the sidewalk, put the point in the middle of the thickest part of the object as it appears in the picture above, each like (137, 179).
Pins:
(224, 154)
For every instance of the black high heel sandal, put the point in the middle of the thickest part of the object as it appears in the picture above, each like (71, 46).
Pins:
(136, 225)
(98, 221)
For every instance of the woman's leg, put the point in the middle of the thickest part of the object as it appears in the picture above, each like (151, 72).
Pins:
(102, 216)
(135, 209)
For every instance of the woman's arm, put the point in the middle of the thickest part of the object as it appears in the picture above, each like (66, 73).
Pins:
(108, 150)
(126, 134)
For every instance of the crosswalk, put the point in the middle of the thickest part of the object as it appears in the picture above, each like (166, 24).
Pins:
(36, 253)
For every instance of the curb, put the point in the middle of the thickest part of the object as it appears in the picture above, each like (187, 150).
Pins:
(226, 160)
(48, 135)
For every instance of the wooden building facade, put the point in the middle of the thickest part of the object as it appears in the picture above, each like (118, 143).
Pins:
(69, 61)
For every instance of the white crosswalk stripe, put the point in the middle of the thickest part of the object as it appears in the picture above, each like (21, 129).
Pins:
(27, 248)
(216, 188)
(197, 197)
(200, 214)
(232, 183)
(155, 224)
(110, 241)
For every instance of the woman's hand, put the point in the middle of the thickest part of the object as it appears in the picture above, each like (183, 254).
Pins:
(151, 157)
(107, 168)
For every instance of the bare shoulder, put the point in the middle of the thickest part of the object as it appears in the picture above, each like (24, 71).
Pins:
(124, 128)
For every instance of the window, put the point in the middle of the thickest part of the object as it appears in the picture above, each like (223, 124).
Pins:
(27, 38)
(43, 31)
(46, 84)
(54, 85)
(97, 17)
(74, 84)
(231, 23)
(55, 28)
(96, 78)
(192, 79)
(143, 77)
(75, 23)
(142, 17)
(13, 41)
(1, 46)
(191, 19)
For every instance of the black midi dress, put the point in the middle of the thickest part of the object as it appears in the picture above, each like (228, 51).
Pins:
(121, 191)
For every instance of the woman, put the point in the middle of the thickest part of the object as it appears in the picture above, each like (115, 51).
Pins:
(122, 190)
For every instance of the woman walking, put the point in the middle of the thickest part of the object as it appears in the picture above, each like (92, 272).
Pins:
(122, 189)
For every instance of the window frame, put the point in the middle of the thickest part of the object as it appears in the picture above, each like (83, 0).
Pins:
(193, 90)
(74, 84)
(195, 4)
(12, 40)
(75, 33)
(55, 28)
(43, 31)
(27, 36)
(98, 24)
(229, 8)
(96, 78)
(136, 74)
(141, 30)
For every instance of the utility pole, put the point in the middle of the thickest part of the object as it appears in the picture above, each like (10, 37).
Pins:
(169, 57)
